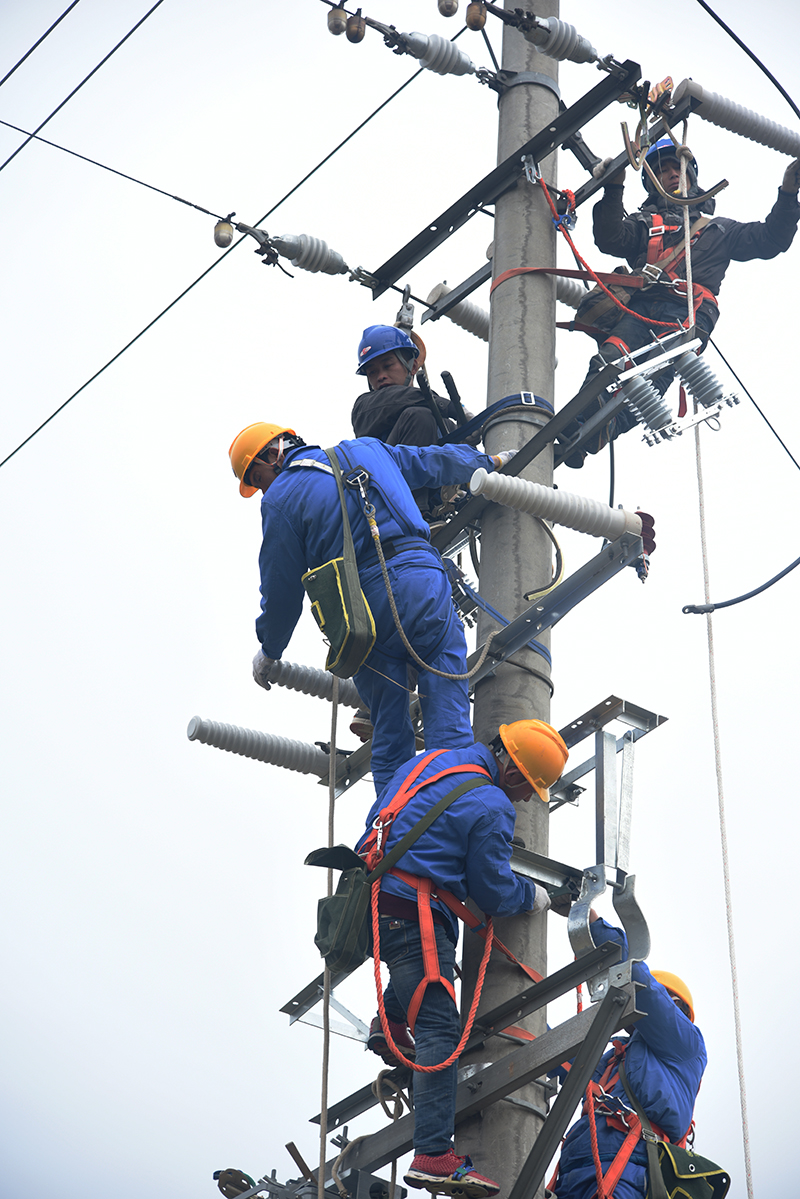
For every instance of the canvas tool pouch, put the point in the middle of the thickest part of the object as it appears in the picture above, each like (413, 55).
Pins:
(598, 309)
(338, 604)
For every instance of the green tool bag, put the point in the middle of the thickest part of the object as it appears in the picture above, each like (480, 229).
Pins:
(344, 926)
(338, 604)
(598, 309)
(676, 1173)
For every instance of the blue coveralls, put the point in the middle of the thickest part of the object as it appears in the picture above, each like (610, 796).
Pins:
(466, 851)
(664, 1063)
(302, 526)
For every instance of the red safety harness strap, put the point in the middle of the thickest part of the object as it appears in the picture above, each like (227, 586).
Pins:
(430, 956)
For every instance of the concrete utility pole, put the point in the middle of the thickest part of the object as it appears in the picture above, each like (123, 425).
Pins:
(516, 556)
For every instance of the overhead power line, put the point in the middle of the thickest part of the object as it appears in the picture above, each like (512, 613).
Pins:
(80, 85)
(214, 264)
(762, 414)
(28, 53)
(751, 55)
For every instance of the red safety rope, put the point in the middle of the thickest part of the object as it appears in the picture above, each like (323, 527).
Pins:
(454, 1056)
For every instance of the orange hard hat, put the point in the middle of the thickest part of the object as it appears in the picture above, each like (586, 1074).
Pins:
(676, 986)
(247, 445)
(538, 750)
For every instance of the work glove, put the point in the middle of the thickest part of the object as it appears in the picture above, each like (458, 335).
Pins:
(600, 168)
(541, 903)
(791, 178)
(261, 668)
(503, 458)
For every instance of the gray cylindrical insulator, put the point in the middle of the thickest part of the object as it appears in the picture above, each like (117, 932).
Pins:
(467, 315)
(698, 376)
(438, 54)
(559, 40)
(310, 254)
(311, 681)
(646, 403)
(569, 291)
(573, 511)
(729, 115)
(278, 751)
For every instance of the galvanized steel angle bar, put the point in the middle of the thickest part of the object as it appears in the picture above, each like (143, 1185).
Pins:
(504, 176)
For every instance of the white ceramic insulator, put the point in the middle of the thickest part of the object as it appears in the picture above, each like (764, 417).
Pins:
(312, 681)
(646, 402)
(310, 254)
(559, 40)
(730, 115)
(277, 751)
(438, 54)
(569, 291)
(573, 511)
(698, 376)
(466, 315)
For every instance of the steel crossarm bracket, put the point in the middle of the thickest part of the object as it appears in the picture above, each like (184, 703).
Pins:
(544, 870)
(473, 508)
(548, 610)
(505, 176)
(570, 1095)
(598, 960)
(514, 1070)
(310, 996)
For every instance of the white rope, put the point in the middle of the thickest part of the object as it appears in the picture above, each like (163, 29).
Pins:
(326, 976)
(686, 154)
(722, 825)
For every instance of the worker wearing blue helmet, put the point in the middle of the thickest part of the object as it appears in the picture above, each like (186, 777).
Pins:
(651, 241)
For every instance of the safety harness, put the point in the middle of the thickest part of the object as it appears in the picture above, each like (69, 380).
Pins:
(427, 890)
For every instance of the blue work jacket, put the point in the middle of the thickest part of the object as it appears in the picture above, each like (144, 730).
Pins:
(301, 517)
(467, 849)
(664, 1063)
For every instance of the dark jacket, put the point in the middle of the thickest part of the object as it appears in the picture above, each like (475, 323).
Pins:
(376, 412)
(722, 241)
(467, 850)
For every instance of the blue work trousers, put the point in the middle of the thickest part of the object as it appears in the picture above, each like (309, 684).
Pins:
(425, 606)
(436, 1032)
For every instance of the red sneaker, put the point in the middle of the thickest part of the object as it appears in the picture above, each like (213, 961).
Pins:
(401, 1036)
(449, 1174)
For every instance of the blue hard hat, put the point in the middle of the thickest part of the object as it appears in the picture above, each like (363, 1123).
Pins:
(382, 339)
(659, 153)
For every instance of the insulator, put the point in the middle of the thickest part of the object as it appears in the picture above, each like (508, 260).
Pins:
(438, 54)
(278, 751)
(729, 115)
(310, 254)
(559, 40)
(223, 234)
(465, 314)
(476, 16)
(569, 291)
(312, 681)
(646, 403)
(698, 376)
(356, 27)
(448, 8)
(337, 21)
(573, 511)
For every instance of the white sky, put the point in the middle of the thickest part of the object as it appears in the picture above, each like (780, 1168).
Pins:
(157, 910)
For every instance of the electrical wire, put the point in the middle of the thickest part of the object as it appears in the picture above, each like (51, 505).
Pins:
(94, 71)
(752, 56)
(755, 405)
(113, 170)
(214, 264)
(703, 609)
(28, 53)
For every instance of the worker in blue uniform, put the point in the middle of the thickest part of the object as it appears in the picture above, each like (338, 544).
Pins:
(466, 851)
(664, 1059)
(654, 235)
(302, 529)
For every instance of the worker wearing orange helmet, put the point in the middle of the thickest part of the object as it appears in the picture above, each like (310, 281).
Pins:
(465, 852)
(664, 1059)
(302, 529)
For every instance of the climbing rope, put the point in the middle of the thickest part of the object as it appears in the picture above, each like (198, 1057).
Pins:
(341, 1188)
(326, 974)
(722, 822)
(399, 1100)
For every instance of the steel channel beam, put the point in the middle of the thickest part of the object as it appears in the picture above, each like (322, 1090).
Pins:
(544, 870)
(570, 1095)
(494, 1021)
(516, 1069)
(504, 176)
(625, 802)
(605, 811)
